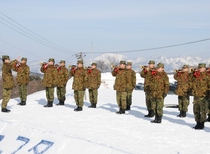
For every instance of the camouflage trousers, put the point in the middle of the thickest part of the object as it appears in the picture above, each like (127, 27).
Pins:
(22, 92)
(157, 105)
(121, 99)
(79, 97)
(200, 107)
(148, 101)
(50, 94)
(93, 96)
(6, 97)
(208, 99)
(183, 103)
(129, 98)
(61, 93)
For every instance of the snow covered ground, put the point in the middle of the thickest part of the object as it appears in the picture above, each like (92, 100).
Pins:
(60, 130)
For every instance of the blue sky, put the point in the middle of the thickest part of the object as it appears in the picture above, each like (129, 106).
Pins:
(104, 26)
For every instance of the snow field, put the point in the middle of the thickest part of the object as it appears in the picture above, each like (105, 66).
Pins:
(99, 130)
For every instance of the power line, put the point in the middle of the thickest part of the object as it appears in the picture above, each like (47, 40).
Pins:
(19, 48)
(34, 33)
(36, 38)
(155, 48)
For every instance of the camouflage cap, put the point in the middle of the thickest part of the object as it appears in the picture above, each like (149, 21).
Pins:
(123, 62)
(129, 63)
(160, 65)
(23, 59)
(93, 63)
(151, 62)
(62, 61)
(201, 65)
(5, 57)
(185, 66)
(80, 62)
(51, 59)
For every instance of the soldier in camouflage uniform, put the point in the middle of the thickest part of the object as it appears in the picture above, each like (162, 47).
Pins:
(8, 81)
(183, 78)
(208, 96)
(50, 80)
(159, 86)
(94, 82)
(63, 77)
(146, 73)
(79, 84)
(200, 85)
(22, 79)
(131, 75)
(120, 86)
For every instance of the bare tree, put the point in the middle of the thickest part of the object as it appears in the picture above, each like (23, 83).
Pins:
(102, 66)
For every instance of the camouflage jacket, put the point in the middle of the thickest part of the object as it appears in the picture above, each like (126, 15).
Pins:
(23, 74)
(159, 84)
(131, 83)
(183, 86)
(120, 80)
(146, 74)
(80, 78)
(8, 81)
(94, 78)
(208, 92)
(63, 76)
(50, 76)
(200, 84)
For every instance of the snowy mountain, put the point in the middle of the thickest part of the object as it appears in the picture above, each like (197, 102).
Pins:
(171, 63)
(33, 129)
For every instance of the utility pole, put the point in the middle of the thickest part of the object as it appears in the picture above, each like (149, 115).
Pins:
(80, 55)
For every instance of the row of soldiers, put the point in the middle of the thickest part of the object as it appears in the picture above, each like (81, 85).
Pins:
(89, 78)
(156, 86)
(195, 82)
(54, 76)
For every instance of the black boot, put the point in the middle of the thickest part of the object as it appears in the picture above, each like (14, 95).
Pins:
(22, 103)
(159, 119)
(93, 105)
(202, 125)
(208, 119)
(121, 111)
(128, 107)
(180, 114)
(49, 104)
(151, 113)
(78, 109)
(183, 114)
(60, 103)
(147, 114)
(5, 110)
(197, 126)
(154, 121)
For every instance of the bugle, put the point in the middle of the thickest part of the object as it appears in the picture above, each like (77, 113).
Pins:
(143, 67)
(178, 71)
(193, 69)
(42, 63)
(114, 66)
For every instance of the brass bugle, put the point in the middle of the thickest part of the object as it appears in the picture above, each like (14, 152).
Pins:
(143, 67)
(177, 70)
(42, 63)
(193, 70)
(70, 66)
(114, 66)
(57, 65)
